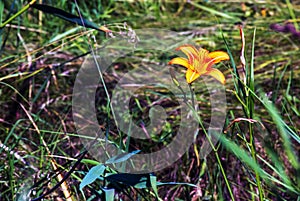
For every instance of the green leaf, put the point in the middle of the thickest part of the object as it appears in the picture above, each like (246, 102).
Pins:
(63, 35)
(109, 194)
(66, 16)
(153, 183)
(136, 180)
(92, 175)
(141, 180)
(121, 157)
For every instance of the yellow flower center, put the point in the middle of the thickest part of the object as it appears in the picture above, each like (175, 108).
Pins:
(203, 62)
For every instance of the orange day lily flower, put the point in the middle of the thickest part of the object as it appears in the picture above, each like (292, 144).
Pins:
(200, 62)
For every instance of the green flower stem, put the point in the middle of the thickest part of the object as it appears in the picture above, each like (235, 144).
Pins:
(214, 149)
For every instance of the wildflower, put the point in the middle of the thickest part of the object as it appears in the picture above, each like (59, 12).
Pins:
(200, 62)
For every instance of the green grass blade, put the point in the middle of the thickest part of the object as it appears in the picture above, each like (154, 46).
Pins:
(251, 78)
(242, 155)
(283, 130)
(214, 12)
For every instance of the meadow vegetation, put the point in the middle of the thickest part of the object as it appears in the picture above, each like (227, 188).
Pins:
(41, 153)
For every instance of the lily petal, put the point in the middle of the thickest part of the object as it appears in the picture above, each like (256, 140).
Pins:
(217, 75)
(190, 51)
(191, 75)
(180, 61)
(218, 56)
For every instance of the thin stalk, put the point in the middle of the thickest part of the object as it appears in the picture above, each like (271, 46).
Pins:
(250, 114)
(99, 70)
(224, 175)
(253, 154)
